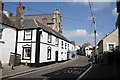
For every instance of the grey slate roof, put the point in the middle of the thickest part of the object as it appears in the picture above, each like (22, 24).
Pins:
(29, 24)
(36, 16)
(5, 20)
(61, 36)
(73, 42)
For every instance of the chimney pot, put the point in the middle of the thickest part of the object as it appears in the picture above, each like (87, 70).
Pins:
(1, 6)
(10, 14)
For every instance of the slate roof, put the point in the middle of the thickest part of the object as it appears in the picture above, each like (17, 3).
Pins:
(32, 24)
(37, 16)
(61, 36)
(5, 20)
(73, 42)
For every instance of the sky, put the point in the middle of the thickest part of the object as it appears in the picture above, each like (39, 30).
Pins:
(76, 17)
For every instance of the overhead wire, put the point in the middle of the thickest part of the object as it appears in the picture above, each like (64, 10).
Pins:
(71, 20)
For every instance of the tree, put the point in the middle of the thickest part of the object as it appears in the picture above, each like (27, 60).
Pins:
(86, 44)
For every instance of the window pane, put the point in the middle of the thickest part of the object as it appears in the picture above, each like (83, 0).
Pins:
(27, 34)
(1, 30)
(49, 53)
(49, 37)
(27, 52)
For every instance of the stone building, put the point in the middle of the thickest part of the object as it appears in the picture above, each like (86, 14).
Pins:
(109, 42)
(51, 20)
(118, 21)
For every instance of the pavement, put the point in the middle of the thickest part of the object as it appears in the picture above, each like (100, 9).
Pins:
(101, 72)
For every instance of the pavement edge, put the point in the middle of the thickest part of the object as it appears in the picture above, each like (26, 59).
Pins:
(5, 77)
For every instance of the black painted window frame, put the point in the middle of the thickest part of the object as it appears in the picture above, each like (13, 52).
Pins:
(49, 38)
(1, 33)
(62, 44)
(65, 45)
(49, 51)
(23, 53)
(57, 41)
(25, 35)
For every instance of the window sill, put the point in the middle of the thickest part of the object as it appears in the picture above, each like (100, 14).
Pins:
(1, 41)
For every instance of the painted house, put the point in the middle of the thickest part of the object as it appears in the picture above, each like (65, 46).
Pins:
(109, 42)
(7, 42)
(88, 51)
(37, 43)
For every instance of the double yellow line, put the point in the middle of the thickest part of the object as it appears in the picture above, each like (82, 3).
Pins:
(83, 74)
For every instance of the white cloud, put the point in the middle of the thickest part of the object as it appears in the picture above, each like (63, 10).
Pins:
(88, 18)
(96, 6)
(81, 36)
(114, 12)
(93, 0)
(75, 33)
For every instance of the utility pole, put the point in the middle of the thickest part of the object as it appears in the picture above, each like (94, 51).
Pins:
(118, 20)
(94, 22)
(95, 53)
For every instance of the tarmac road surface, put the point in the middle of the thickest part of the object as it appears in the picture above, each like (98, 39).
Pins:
(70, 70)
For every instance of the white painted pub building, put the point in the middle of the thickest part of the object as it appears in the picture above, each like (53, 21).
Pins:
(35, 42)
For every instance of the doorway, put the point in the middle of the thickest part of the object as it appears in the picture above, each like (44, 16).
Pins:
(56, 56)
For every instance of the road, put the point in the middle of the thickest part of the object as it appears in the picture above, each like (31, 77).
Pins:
(69, 70)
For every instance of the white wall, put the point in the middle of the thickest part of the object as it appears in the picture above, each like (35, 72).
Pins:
(64, 55)
(9, 39)
(44, 48)
(22, 42)
(88, 51)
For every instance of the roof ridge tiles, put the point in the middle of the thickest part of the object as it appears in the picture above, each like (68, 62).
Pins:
(40, 14)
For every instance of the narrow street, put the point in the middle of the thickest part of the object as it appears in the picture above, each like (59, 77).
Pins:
(69, 70)
(60, 40)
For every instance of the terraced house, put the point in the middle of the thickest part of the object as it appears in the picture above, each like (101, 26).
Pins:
(38, 38)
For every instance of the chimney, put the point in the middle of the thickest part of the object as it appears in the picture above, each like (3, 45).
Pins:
(118, 6)
(1, 6)
(20, 15)
(10, 14)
